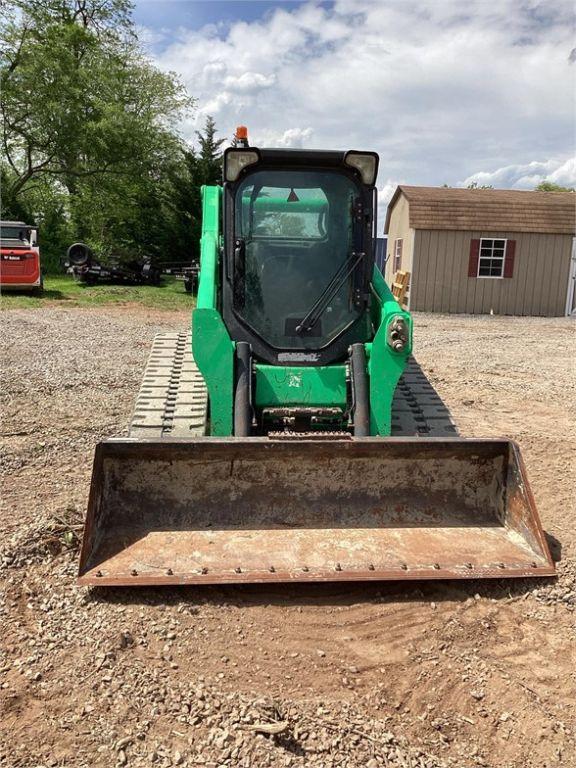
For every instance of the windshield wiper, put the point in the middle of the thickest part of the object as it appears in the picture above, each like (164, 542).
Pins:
(332, 288)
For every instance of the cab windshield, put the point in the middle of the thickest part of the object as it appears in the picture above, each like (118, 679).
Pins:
(294, 238)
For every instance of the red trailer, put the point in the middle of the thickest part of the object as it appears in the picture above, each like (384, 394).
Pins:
(19, 257)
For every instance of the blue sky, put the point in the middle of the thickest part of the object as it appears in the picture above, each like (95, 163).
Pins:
(445, 91)
(195, 14)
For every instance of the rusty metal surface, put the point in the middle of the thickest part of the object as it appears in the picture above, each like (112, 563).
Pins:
(254, 510)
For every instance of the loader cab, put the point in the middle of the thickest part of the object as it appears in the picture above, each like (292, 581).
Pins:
(298, 258)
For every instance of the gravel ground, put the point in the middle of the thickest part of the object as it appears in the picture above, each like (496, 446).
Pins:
(399, 675)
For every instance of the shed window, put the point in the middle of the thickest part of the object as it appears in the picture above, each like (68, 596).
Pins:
(492, 255)
(397, 255)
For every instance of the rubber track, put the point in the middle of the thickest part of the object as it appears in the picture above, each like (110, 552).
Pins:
(173, 400)
(417, 409)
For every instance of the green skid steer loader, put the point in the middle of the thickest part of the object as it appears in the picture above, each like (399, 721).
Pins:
(271, 457)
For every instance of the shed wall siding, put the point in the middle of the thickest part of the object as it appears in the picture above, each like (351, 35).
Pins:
(441, 284)
(399, 229)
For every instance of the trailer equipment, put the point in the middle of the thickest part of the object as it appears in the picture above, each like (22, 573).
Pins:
(81, 262)
(296, 440)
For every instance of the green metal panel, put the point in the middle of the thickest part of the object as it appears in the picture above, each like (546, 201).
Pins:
(296, 385)
(214, 355)
(212, 347)
(285, 386)
(209, 248)
(385, 366)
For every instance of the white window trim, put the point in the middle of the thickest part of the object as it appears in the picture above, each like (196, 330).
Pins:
(398, 241)
(492, 277)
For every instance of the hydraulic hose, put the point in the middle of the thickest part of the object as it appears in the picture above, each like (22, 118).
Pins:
(360, 391)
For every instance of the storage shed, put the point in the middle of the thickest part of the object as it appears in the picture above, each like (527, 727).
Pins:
(484, 250)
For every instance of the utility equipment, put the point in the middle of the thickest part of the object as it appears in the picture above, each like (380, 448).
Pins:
(19, 257)
(264, 453)
(80, 261)
(188, 272)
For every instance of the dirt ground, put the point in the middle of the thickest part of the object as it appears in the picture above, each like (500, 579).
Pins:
(413, 675)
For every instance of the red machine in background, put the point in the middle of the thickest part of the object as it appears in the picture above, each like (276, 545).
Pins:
(19, 257)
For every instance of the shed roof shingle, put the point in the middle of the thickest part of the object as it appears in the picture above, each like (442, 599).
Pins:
(488, 209)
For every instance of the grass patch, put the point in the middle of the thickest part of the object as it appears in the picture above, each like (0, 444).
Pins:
(63, 290)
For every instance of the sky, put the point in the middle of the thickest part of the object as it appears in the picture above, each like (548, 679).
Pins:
(446, 91)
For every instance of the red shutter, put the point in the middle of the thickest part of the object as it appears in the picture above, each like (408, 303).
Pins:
(474, 256)
(509, 258)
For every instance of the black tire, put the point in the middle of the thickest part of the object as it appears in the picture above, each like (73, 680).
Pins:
(79, 255)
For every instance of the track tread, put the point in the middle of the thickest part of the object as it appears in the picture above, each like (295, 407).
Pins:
(173, 399)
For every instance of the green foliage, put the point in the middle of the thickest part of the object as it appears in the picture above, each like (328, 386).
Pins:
(91, 150)
(202, 167)
(475, 185)
(549, 186)
(209, 158)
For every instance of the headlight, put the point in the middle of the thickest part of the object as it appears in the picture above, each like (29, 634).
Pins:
(398, 334)
(235, 160)
(366, 163)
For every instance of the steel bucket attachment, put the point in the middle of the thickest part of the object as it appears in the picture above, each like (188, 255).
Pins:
(228, 510)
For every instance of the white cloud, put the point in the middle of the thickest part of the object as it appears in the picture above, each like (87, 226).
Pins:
(565, 174)
(527, 175)
(292, 137)
(248, 82)
(385, 193)
(438, 88)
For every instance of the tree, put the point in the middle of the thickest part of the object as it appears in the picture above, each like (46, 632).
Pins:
(549, 186)
(475, 185)
(84, 114)
(210, 156)
(202, 166)
(78, 98)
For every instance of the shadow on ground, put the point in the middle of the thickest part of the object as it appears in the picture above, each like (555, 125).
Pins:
(48, 294)
(319, 594)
